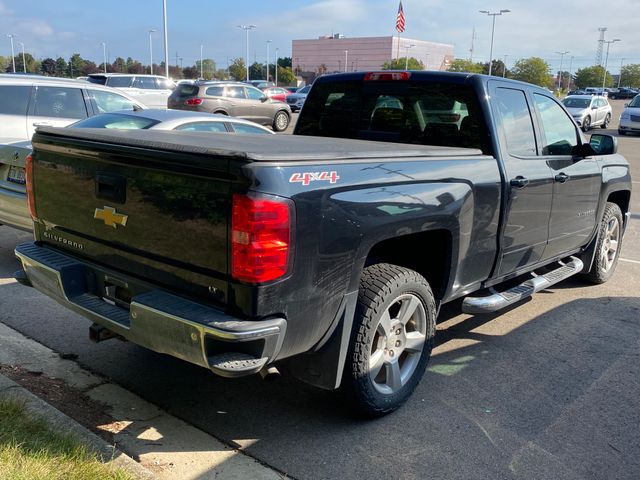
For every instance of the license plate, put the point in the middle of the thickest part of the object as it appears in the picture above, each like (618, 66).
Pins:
(16, 175)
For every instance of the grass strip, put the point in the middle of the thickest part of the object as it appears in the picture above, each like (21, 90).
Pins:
(30, 450)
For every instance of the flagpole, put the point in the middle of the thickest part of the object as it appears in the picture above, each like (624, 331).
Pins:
(398, 49)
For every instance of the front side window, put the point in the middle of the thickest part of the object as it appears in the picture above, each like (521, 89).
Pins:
(516, 121)
(14, 99)
(560, 134)
(235, 92)
(60, 102)
(254, 93)
(202, 127)
(110, 102)
(243, 128)
(147, 83)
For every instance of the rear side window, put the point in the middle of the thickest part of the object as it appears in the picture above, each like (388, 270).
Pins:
(60, 102)
(148, 83)
(213, 91)
(100, 80)
(114, 120)
(516, 121)
(165, 84)
(186, 90)
(110, 102)
(14, 99)
(235, 92)
(119, 82)
(202, 127)
(242, 128)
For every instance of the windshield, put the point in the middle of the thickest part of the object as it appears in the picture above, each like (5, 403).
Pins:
(576, 102)
(304, 89)
(116, 120)
(419, 112)
(635, 102)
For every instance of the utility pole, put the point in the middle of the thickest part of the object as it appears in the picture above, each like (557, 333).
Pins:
(473, 38)
(600, 46)
(604, 76)
(562, 54)
(13, 53)
(150, 53)
(24, 62)
(104, 56)
(276, 66)
(246, 28)
(570, 72)
(166, 40)
(346, 59)
(620, 76)
(268, 42)
(201, 64)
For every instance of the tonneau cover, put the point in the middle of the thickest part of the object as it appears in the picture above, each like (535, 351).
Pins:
(262, 148)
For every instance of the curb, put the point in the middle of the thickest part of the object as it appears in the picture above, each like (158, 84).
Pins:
(107, 453)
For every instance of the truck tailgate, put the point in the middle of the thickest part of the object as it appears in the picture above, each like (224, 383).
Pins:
(159, 215)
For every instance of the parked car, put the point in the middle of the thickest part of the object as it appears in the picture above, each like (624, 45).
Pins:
(296, 100)
(29, 101)
(293, 89)
(596, 91)
(163, 119)
(577, 92)
(588, 110)
(236, 99)
(623, 93)
(276, 93)
(152, 90)
(630, 117)
(13, 206)
(260, 84)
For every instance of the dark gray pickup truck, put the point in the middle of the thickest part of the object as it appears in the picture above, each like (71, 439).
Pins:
(331, 254)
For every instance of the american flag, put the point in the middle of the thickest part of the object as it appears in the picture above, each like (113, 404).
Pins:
(400, 19)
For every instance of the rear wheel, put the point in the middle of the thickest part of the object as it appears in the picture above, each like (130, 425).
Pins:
(608, 245)
(586, 124)
(280, 121)
(391, 340)
(607, 120)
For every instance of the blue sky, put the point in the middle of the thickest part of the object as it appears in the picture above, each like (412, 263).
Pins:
(51, 28)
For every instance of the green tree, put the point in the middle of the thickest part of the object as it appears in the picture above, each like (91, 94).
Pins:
(208, 68)
(286, 76)
(76, 65)
(119, 65)
(238, 69)
(33, 66)
(257, 71)
(4, 63)
(532, 70)
(62, 68)
(48, 67)
(400, 63)
(592, 77)
(462, 65)
(134, 66)
(284, 62)
(89, 67)
(630, 75)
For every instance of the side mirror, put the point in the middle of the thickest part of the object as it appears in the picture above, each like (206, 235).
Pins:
(626, 104)
(603, 144)
(595, 107)
(264, 98)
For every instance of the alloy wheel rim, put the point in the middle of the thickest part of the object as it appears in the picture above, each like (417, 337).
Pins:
(281, 121)
(610, 244)
(397, 344)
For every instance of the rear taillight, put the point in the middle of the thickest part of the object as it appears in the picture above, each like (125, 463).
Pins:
(28, 176)
(384, 76)
(193, 101)
(260, 238)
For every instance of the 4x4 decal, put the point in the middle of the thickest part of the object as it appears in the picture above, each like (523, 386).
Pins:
(307, 177)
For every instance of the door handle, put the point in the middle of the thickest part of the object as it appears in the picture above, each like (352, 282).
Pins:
(42, 124)
(561, 177)
(519, 182)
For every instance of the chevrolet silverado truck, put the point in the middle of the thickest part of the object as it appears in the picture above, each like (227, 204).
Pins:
(330, 250)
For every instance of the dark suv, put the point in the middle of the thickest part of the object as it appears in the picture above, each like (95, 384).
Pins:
(231, 98)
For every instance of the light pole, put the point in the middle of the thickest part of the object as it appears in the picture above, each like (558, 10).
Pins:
(166, 39)
(562, 54)
(493, 28)
(104, 56)
(504, 66)
(24, 62)
(246, 28)
(606, 59)
(268, 42)
(13, 54)
(201, 64)
(276, 66)
(406, 56)
(346, 59)
(150, 52)
(620, 76)
(570, 72)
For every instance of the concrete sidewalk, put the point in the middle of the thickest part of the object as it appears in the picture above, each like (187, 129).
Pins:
(164, 446)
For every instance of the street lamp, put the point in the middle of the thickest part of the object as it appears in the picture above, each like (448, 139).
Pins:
(201, 64)
(620, 76)
(150, 52)
(406, 56)
(570, 72)
(504, 66)
(268, 42)
(346, 59)
(104, 56)
(562, 54)
(493, 28)
(166, 40)
(606, 59)
(13, 54)
(276, 66)
(24, 62)
(246, 28)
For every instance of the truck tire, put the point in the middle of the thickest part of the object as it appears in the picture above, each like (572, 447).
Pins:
(391, 340)
(608, 245)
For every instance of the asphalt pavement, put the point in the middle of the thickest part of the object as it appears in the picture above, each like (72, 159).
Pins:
(549, 389)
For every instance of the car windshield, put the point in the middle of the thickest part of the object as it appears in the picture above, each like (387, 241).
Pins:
(635, 102)
(116, 120)
(576, 102)
(304, 89)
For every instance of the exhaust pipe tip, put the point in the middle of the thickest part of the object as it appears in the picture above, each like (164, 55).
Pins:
(270, 373)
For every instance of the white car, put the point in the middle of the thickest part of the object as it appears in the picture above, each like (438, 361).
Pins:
(30, 101)
(152, 90)
(630, 118)
(588, 110)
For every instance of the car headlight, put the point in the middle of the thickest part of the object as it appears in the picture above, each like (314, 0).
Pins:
(625, 116)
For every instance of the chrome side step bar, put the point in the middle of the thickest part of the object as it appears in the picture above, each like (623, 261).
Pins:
(499, 300)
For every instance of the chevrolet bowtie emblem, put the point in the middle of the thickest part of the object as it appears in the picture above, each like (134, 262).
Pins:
(110, 218)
